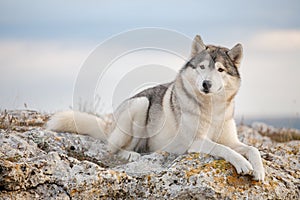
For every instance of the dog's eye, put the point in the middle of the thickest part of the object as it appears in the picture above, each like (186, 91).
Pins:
(202, 67)
(220, 70)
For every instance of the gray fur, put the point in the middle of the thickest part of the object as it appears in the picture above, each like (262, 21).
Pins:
(155, 97)
(220, 54)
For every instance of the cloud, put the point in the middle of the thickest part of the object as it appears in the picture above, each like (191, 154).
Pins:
(46, 58)
(276, 40)
(270, 73)
(40, 73)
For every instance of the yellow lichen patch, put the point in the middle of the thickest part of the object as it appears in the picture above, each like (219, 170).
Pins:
(270, 184)
(194, 171)
(164, 153)
(73, 192)
(219, 183)
(15, 158)
(220, 166)
(191, 156)
(238, 181)
(219, 179)
(258, 183)
(95, 191)
(273, 183)
(112, 172)
(149, 178)
(120, 176)
(216, 166)
(188, 158)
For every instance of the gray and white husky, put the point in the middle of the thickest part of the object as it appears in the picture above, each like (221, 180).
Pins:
(194, 113)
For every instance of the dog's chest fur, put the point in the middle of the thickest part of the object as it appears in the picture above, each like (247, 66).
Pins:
(209, 117)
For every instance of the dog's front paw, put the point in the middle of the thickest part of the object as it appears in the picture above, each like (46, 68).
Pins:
(241, 165)
(129, 155)
(259, 174)
(255, 160)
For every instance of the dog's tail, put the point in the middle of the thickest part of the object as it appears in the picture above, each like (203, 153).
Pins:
(78, 122)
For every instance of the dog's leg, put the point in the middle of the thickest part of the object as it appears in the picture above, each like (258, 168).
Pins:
(207, 146)
(253, 155)
(229, 138)
(130, 126)
(117, 143)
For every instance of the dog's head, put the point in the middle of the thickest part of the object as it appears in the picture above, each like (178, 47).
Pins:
(213, 69)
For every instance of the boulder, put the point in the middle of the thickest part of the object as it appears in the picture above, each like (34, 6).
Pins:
(40, 164)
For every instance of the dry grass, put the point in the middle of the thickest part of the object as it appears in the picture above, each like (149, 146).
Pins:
(21, 120)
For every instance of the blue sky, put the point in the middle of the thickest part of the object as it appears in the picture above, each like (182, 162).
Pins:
(44, 43)
(99, 19)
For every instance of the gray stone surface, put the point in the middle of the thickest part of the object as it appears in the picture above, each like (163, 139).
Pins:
(39, 164)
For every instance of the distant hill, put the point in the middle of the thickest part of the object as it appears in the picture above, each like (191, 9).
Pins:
(285, 122)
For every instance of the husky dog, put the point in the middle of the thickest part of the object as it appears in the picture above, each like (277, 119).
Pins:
(194, 113)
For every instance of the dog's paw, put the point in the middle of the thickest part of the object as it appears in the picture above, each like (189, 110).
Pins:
(129, 155)
(244, 168)
(134, 156)
(259, 174)
(241, 165)
(255, 159)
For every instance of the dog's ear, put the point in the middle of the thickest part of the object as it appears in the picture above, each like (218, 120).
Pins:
(236, 54)
(197, 46)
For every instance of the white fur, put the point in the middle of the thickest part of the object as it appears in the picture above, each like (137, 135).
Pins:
(77, 122)
(206, 122)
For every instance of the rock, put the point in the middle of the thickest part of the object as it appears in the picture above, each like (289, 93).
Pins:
(40, 164)
(277, 134)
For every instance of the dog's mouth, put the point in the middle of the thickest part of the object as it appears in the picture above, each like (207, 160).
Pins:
(208, 92)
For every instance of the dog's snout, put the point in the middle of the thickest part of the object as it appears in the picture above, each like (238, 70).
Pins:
(206, 84)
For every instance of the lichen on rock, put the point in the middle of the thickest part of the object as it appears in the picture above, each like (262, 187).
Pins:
(40, 164)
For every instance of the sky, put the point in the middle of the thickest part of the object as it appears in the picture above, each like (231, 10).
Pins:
(45, 44)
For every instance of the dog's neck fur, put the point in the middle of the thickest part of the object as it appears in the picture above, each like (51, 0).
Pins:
(215, 106)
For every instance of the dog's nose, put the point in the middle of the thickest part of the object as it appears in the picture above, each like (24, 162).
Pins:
(206, 84)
